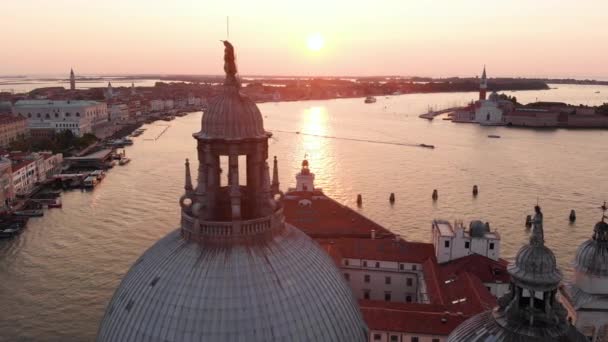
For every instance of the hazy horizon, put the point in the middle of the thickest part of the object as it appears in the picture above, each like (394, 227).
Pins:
(272, 38)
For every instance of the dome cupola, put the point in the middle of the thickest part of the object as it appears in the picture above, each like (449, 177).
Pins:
(530, 311)
(234, 270)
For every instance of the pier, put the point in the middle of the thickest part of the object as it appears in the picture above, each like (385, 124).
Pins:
(433, 113)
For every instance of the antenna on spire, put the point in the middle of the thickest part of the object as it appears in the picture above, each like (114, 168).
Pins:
(227, 28)
(604, 208)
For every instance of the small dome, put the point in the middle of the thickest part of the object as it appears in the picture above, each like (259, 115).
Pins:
(232, 116)
(494, 96)
(535, 267)
(483, 327)
(478, 229)
(592, 255)
(284, 288)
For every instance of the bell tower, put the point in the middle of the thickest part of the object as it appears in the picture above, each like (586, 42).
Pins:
(483, 85)
(72, 80)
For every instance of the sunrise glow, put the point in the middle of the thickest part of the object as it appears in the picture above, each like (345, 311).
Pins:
(315, 42)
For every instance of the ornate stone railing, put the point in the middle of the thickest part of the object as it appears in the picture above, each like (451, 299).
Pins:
(193, 229)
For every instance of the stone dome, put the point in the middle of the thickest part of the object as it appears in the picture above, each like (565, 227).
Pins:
(282, 288)
(478, 228)
(535, 266)
(592, 255)
(231, 116)
(484, 327)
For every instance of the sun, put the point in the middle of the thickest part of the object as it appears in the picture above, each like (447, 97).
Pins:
(315, 42)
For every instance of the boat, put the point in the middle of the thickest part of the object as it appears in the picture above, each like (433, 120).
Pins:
(427, 146)
(56, 204)
(597, 92)
(29, 213)
(124, 161)
(493, 136)
(370, 99)
(90, 182)
(99, 174)
(10, 230)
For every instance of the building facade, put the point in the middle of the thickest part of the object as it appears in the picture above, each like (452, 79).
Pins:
(79, 117)
(12, 128)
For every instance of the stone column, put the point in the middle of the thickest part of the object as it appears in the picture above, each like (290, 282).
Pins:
(233, 184)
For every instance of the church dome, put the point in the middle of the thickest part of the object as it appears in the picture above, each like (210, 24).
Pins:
(536, 267)
(478, 228)
(232, 116)
(530, 310)
(592, 255)
(284, 288)
(234, 271)
(483, 327)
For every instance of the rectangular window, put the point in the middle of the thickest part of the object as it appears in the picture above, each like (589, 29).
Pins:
(414, 339)
(377, 264)
(401, 267)
(345, 262)
(414, 267)
(347, 276)
(467, 244)
(364, 263)
(491, 245)
(366, 278)
(387, 280)
(435, 340)
(408, 282)
(394, 338)
(377, 337)
(408, 299)
(446, 243)
(366, 294)
(387, 296)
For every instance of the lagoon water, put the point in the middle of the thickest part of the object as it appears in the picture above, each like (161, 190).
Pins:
(57, 277)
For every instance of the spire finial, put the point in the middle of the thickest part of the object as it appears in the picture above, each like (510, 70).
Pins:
(275, 176)
(604, 208)
(188, 186)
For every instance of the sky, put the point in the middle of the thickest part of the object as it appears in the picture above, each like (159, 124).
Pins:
(438, 38)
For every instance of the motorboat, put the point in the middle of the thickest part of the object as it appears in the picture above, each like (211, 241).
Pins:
(370, 99)
(29, 213)
(427, 146)
(494, 136)
(90, 182)
(124, 161)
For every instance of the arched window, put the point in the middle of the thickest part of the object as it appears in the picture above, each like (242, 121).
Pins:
(488, 117)
(56, 115)
(38, 115)
(78, 114)
(47, 116)
(67, 115)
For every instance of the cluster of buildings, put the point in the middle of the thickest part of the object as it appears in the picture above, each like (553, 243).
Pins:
(102, 111)
(496, 110)
(21, 173)
(250, 262)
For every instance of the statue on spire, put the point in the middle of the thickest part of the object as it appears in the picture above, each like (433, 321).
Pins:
(538, 235)
(230, 64)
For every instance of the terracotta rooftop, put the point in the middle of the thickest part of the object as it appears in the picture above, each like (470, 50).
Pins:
(409, 317)
(380, 249)
(486, 269)
(320, 216)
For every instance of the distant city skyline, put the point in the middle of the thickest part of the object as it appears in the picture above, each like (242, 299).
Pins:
(316, 38)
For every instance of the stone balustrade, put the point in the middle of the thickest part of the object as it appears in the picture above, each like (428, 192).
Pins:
(218, 229)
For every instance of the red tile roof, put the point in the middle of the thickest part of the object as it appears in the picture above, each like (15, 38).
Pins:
(325, 217)
(486, 269)
(409, 317)
(21, 164)
(381, 249)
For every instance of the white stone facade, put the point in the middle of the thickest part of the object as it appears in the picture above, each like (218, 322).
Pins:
(80, 117)
(455, 242)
